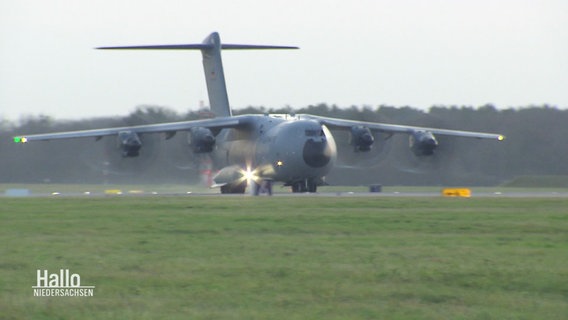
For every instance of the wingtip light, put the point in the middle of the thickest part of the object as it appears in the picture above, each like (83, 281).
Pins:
(20, 139)
(501, 138)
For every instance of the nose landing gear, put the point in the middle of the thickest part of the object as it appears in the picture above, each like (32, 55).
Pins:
(307, 185)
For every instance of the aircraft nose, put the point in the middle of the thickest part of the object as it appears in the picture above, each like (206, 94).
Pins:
(317, 154)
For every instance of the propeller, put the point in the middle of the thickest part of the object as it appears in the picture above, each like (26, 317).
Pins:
(405, 160)
(349, 158)
(106, 156)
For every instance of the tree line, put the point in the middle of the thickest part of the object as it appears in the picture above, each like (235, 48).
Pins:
(536, 144)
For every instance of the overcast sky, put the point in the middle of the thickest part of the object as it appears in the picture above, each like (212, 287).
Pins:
(359, 52)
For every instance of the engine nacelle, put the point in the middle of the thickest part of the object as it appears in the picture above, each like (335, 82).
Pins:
(129, 143)
(361, 138)
(422, 143)
(201, 140)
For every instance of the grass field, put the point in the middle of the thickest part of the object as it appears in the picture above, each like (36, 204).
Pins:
(215, 257)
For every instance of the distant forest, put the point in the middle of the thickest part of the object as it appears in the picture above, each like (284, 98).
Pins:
(536, 144)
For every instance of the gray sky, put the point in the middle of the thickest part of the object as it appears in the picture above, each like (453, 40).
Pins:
(395, 52)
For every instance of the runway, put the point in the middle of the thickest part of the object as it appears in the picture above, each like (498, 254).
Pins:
(508, 193)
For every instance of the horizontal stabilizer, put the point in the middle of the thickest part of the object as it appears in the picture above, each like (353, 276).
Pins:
(198, 46)
(253, 47)
(162, 47)
(212, 65)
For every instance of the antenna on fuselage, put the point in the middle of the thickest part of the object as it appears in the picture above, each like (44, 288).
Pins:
(212, 66)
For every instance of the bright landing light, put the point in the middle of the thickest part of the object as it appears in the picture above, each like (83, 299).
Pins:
(248, 175)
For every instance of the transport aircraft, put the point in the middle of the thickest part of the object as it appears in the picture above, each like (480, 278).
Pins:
(255, 151)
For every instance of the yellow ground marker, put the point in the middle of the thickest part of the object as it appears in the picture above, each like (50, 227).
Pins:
(453, 192)
(113, 192)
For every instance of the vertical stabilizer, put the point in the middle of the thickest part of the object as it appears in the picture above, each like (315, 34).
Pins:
(212, 65)
(215, 77)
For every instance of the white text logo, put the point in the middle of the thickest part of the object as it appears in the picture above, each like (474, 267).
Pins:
(62, 284)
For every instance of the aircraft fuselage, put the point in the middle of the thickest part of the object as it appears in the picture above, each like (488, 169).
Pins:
(279, 148)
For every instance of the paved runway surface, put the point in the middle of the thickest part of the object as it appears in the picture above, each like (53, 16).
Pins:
(137, 193)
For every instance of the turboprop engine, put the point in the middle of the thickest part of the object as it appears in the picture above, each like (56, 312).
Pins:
(422, 143)
(129, 143)
(361, 138)
(201, 140)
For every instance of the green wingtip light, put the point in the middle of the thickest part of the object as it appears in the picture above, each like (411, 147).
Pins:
(20, 140)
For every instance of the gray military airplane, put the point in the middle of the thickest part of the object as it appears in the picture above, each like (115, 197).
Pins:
(298, 150)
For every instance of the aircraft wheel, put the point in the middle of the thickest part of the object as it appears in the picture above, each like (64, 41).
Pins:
(312, 186)
(299, 186)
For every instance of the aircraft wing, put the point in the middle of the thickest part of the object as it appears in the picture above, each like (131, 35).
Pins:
(170, 128)
(334, 123)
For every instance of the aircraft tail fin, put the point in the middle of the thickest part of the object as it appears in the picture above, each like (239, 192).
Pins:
(212, 66)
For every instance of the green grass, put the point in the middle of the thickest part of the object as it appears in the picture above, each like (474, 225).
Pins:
(558, 181)
(288, 257)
